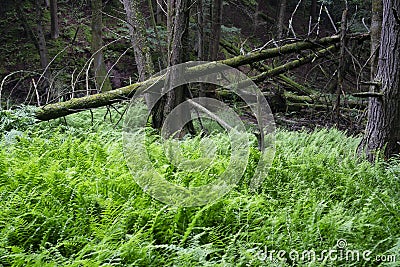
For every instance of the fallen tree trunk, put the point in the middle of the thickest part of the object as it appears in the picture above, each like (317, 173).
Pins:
(293, 64)
(288, 66)
(292, 102)
(283, 79)
(57, 110)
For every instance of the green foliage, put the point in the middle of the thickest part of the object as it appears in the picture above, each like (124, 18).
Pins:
(156, 40)
(326, 2)
(68, 199)
(17, 119)
(251, 3)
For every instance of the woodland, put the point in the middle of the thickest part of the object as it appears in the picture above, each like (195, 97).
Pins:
(71, 189)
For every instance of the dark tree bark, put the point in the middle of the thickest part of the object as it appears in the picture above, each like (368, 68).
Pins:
(200, 30)
(41, 41)
(214, 37)
(255, 18)
(382, 133)
(160, 16)
(281, 19)
(178, 43)
(215, 29)
(313, 10)
(376, 29)
(342, 61)
(207, 22)
(102, 81)
(55, 31)
(200, 39)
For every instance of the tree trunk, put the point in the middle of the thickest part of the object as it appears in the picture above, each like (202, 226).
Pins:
(215, 36)
(383, 128)
(100, 72)
(281, 19)
(284, 80)
(207, 22)
(342, 61)
(55, 31)
(215, 29)
(44, 57)
(200, 40)
(136, 25)
(255, 17)
(313, 10)
(178, 43)
(160, 16)
(376, 29)
(294, 64)
(200, 30)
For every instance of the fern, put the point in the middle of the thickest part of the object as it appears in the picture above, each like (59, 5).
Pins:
(67, 198)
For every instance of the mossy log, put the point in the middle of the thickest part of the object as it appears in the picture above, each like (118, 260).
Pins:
(281, 78)
(57, 110)
(291, 102)
(289, 66)
(294, 64)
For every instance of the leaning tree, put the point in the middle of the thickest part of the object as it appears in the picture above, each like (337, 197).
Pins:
(383, 127)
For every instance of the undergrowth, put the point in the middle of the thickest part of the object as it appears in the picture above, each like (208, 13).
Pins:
(68, 199)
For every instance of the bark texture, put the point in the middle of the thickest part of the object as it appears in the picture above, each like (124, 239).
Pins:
(281, 19)
(376, 29)
(178, 44)
(41, 41)
(102, 81)
(136, 25)
(200, 40)
(342, 61)
(200, 30)
(160, 16)
(55, 31)
(313, 10)
(383, 128)
(215, 29)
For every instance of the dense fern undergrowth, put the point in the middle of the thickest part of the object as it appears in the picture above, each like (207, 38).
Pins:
(68, 199)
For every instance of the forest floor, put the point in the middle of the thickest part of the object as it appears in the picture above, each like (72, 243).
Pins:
(68, 199)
